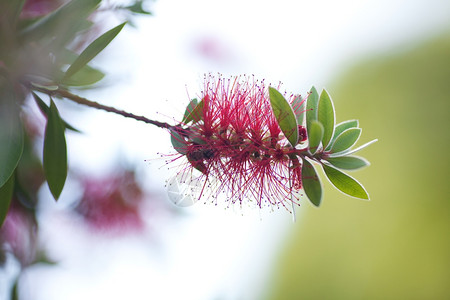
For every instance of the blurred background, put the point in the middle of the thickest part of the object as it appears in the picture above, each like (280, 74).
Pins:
(386, 63)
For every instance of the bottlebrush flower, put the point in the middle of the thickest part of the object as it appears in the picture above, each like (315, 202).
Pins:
(235, 148)
(112, 203)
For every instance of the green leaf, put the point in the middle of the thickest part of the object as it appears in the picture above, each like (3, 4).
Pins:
(312, 103)
(62, 24)
(348, 162)
(311, 183)
(194, 111)
(340, 128)
(189, 109)
(55, 152)
(298, 105)
(353, 150)
(92, 50)
(315, 136)
(346, 140)
(45, 110)
(326, 116)
(284, 115)
(178, 142)
(137, 8)
(345, 183)
(11, 133)
(50, 88)
(15, 289)
(6, 193)
(85, 76)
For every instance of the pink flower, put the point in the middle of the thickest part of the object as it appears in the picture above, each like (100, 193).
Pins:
(19, 234)
(236, 148)
(112, 203)
(38, 8)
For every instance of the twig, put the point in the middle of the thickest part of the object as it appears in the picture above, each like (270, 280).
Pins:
(83, 101)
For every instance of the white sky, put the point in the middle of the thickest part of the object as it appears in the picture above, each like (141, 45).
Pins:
(209, 253)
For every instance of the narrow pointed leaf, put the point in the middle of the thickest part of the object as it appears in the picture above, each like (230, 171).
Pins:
(285, 116)
(346, 140)
(345, 183)
(311, 183)
(339, 128)
(348, 162)
(353, 150)
(11, 134)
(326, 116)
(92, 50)
(299, 107)
(194, 111)
(315, 136)
(85, 76)
(312, 103)
(45, 110)
(6, 193)
(55, 152)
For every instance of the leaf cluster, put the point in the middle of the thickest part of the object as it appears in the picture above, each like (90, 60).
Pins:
(330, 145)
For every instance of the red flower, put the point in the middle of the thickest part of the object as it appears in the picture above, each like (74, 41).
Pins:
(112, 203)
(238, 148)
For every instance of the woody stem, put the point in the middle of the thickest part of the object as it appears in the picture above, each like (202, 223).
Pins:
(63, 93)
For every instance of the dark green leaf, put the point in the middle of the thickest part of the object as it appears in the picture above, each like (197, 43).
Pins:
(178, 142)
(85, 76)
(340, 128)
(285, 116)
(6, 192)
(92, 50)
(346, 140)
(345, 183)
(194, 111)
(15, 289)
(45, 109)
(311, 183)
(315, 136)
(11, 133)
(55, 152)
(348, 162)
(326, 117)
(298, 105)
(312, 103)
(137, 8)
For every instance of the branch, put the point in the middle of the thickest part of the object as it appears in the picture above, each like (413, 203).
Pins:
(63, 93)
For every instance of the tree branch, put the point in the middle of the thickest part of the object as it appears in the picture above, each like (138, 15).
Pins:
(63, 93)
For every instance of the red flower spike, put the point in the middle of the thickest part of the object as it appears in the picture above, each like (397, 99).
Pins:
(238, 148)
(112, 203)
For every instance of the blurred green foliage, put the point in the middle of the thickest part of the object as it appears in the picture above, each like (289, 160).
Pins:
(397, 246)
